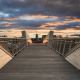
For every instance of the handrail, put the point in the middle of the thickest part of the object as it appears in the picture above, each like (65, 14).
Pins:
(62, 38)
(61, 45)
(12, 38)
(13, 45)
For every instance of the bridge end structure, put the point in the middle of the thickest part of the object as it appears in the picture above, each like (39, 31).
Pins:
(24, 36)
(50, 41)
(5, 57)
(73, 57)
(68, 48)
(10, 47)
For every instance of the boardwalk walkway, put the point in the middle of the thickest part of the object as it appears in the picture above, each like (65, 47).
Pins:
(39, 62)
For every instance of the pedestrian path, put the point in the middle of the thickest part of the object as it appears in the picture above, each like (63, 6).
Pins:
(39, 62)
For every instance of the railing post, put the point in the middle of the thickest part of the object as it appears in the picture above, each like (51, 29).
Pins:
(12, 47)
(16, 45)
(57, 45)
(22, 43)
(53, 44)
(70, 45)
(50, 40)
(64, 47)
(60, 45)
(24, 36)
(6, 44)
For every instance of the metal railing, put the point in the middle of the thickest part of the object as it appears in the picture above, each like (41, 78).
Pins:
(64, 45)
(13, 45)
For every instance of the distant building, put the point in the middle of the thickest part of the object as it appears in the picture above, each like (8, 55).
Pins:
(54, 36)
(74, 35)
(3, 35)
(59, 36)
(38, 40)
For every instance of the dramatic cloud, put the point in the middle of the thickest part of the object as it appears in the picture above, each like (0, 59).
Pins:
(40, 14)
(44, 7)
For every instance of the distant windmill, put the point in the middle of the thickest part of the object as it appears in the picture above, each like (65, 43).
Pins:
(37, 39)
(36, 35)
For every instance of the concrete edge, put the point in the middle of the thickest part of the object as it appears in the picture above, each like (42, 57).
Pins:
(6, 51)
(72, 50)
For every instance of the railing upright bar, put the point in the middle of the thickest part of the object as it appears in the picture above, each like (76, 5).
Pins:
(60, 45)
(16, 45)
(6, 44)
(70, 45)
(64, 47)
(22, 44)
(12, 47)
(53, 44)
(57, 45)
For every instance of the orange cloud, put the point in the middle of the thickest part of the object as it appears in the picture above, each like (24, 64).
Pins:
(68, 16)
(9, 24)
(78, 26)
(56, 24)
(43, 26)
(52, 24)
(43, 16)
(10, 19)
(61, 23)
(72, 20)
(38, 16)
(70, 29)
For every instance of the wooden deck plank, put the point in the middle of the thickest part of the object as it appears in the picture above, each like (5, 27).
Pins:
(39, 62)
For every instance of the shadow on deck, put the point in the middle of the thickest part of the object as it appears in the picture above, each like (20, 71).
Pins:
(39, 62)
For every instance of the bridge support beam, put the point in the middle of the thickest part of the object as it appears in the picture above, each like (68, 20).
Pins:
(50, 40)
(24, 36)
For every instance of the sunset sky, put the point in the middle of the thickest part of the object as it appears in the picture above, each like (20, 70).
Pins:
(61, 16)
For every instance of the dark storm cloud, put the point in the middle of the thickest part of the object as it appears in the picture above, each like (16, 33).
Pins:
(60, 8)
(31, 24)
(22, 24)
(17, 7)
(44, 7)
(25, 24)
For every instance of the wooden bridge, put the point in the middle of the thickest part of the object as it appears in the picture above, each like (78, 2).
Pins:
(39, 62)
